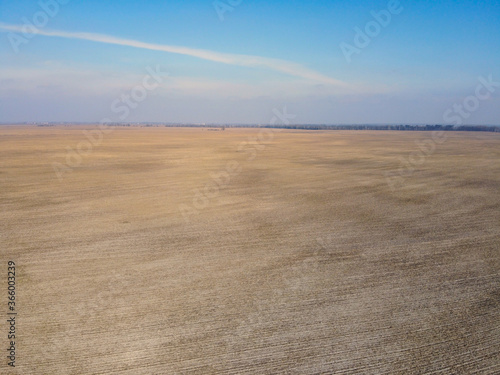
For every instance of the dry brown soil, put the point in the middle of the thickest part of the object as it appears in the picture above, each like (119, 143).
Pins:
(303, 261)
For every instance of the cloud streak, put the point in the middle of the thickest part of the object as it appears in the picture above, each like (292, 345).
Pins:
(278, 65)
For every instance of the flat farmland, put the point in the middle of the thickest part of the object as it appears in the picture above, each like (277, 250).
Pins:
(189, 251)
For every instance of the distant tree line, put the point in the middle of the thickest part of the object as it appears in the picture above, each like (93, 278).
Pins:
(466, 128)
(472, 128)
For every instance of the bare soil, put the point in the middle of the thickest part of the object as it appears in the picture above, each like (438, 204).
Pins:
(303, 261)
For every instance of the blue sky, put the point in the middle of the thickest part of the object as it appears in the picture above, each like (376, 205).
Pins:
(426, 59)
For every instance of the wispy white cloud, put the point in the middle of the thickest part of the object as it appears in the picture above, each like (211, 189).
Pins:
(83, 80)
(68, 79)
(282, 66)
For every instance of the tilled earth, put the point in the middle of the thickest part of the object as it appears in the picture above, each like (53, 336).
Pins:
(189, 251)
